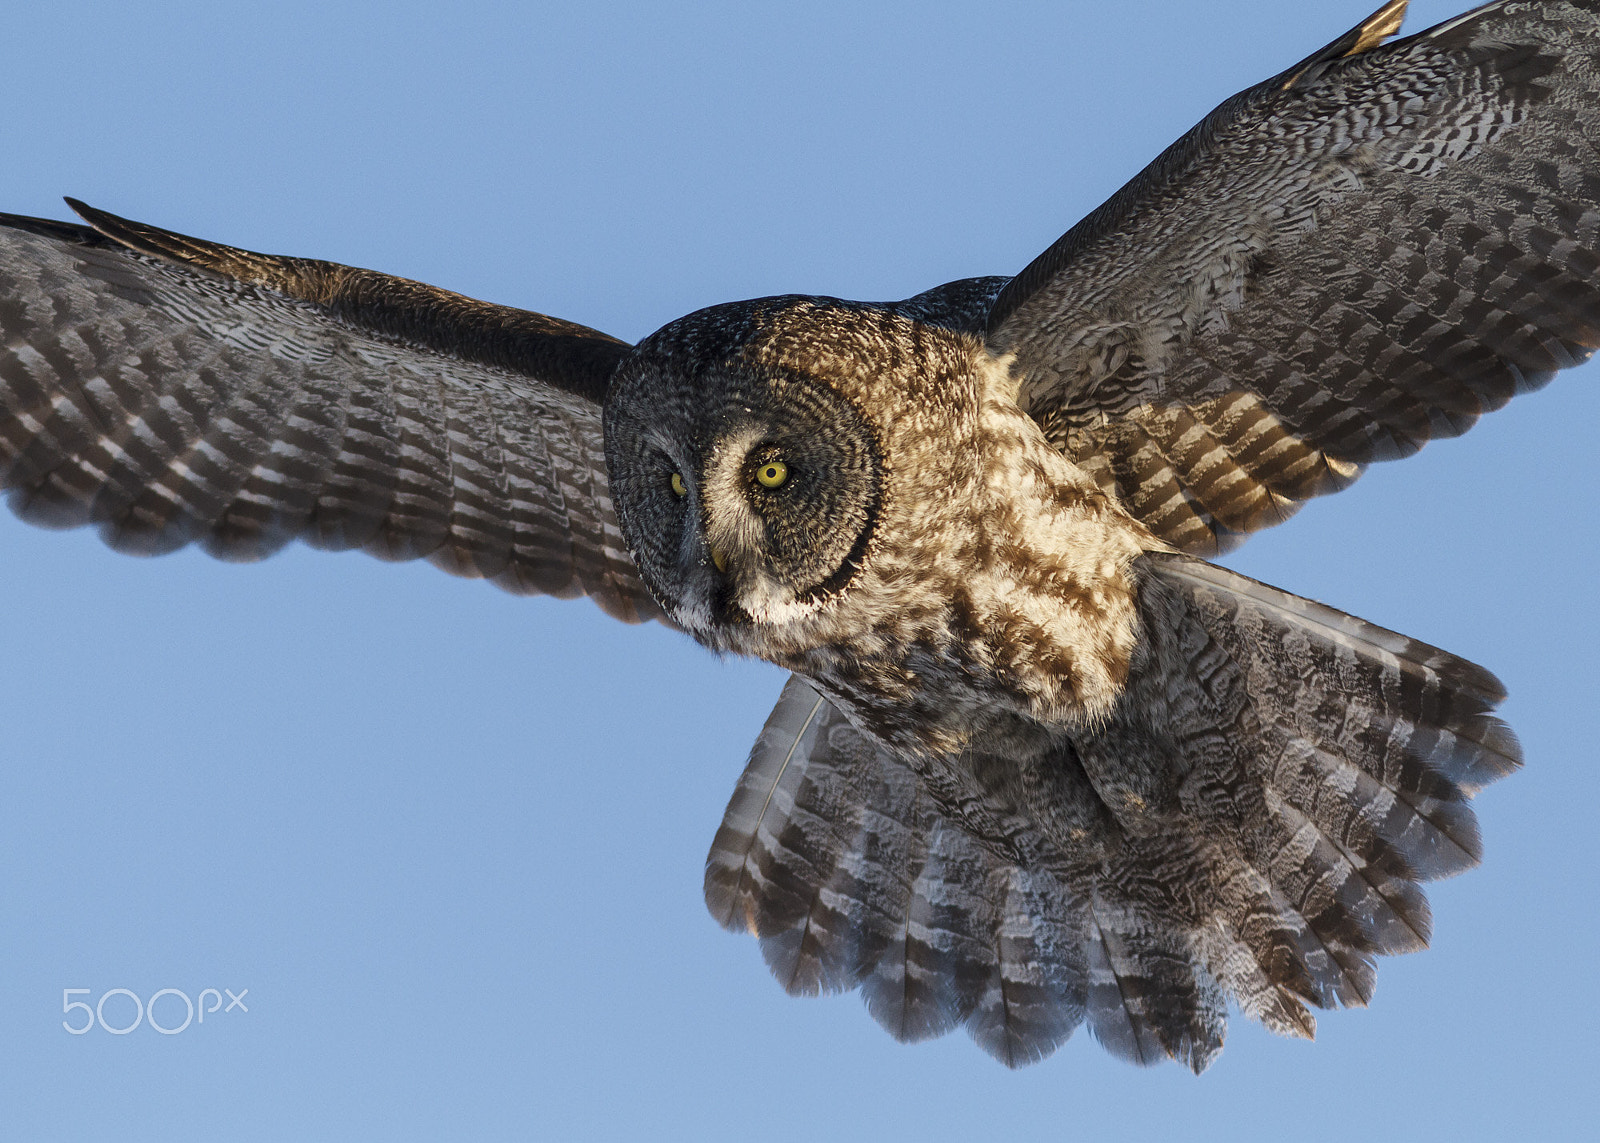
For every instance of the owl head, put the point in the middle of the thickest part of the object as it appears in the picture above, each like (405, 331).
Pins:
(755, 453)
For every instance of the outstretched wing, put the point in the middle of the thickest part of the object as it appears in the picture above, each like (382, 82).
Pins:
(1363, 253)
(171, 390)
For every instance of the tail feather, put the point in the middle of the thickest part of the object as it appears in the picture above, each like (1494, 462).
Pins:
(833, 854)
(1379, 698)
(1300, 626)
(1267, 955)
(1115, 1010)
(1343, 905)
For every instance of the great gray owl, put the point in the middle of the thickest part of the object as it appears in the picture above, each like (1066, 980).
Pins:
(1039, 763)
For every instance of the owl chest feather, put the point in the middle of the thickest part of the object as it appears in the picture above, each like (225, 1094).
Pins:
(998, 595)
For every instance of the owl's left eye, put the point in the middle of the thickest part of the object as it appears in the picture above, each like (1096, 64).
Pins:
(679, 488)
(772, 474)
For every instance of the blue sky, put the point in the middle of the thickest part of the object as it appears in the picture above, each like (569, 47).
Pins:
(451, 841)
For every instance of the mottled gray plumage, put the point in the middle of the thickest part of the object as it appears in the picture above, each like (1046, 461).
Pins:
(262, 400)
(1039, 765)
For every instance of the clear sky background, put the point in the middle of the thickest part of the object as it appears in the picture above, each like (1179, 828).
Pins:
(451, 841)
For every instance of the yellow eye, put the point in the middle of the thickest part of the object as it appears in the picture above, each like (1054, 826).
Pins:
(679, 488)
(772, 474)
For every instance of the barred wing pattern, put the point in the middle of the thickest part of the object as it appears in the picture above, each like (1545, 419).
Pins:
(1354, 257)
(1267, 833)
(171, 391)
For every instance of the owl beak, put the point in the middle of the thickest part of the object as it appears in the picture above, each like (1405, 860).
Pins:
(719, 559)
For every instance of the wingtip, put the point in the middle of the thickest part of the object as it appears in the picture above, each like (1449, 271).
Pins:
(109, 225)
(167, 244)
(51, 228)
(1379, 26)
(86, 212)
(1365, 36)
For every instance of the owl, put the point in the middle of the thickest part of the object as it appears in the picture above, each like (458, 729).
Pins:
(1040, 764)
